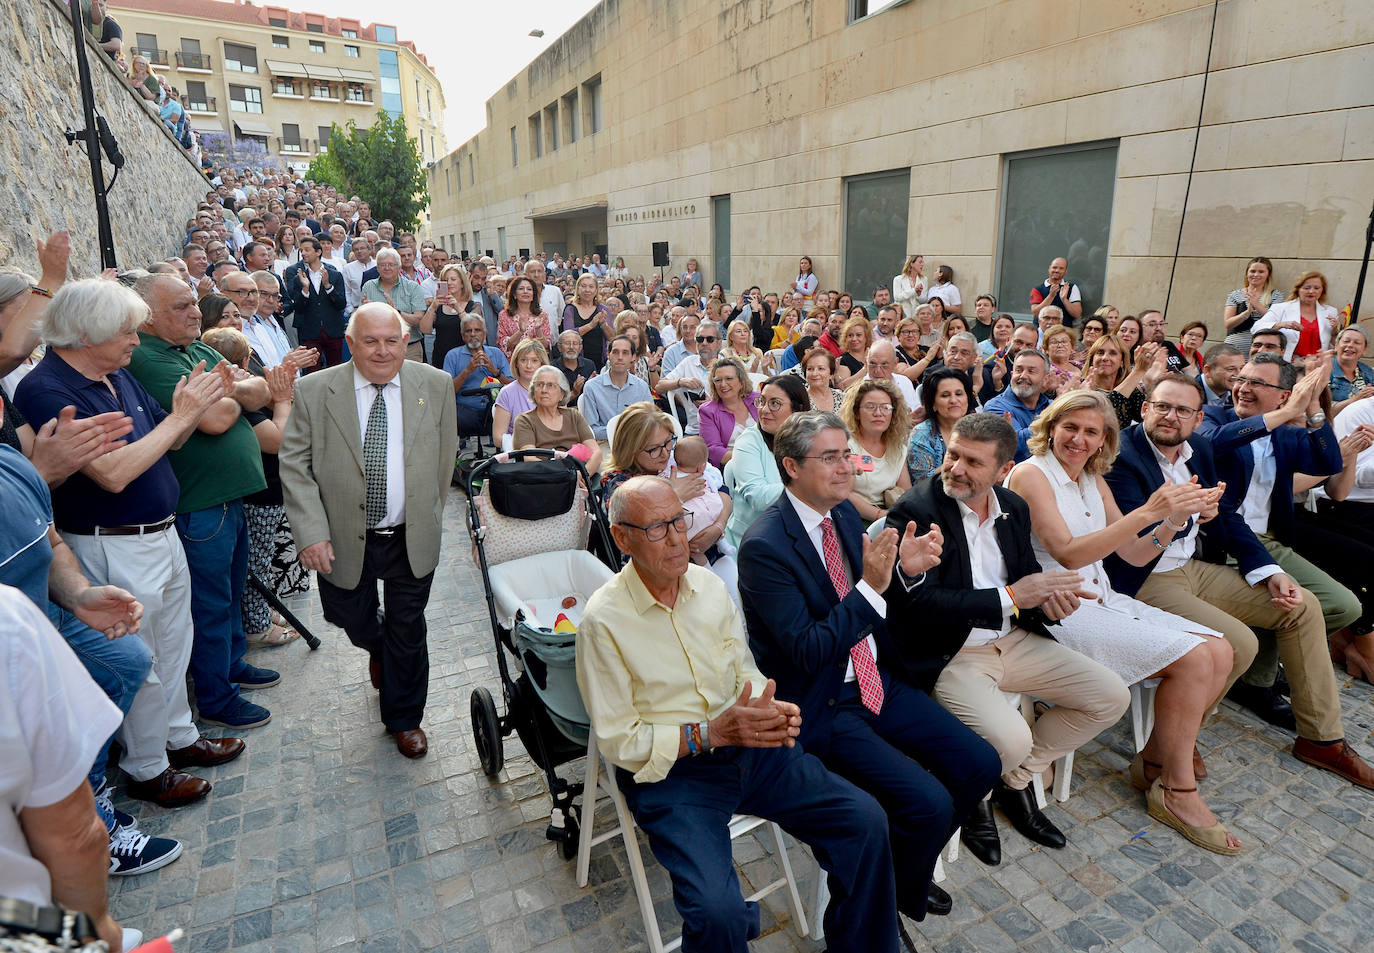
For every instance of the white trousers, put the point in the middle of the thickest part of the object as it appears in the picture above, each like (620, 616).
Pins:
(153, 568)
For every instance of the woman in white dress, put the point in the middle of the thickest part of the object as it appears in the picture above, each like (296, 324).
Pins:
(1076, 525)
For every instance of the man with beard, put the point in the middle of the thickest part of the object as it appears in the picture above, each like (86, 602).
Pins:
(976, 625)
(1190, 576)
(1024, 400)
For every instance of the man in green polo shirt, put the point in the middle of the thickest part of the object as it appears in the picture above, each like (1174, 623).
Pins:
(218, 465)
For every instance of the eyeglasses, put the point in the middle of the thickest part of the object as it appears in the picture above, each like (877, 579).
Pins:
(832, 459)
(1164, 410)
(774, 403)
(657, 532)
(242, 291)
(269, 294)
(664, 447)
(1258, 383)
(705, 340)
(876, 408)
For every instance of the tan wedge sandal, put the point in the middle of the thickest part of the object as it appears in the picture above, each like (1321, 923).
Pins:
(1137, 772)
(1208, 838)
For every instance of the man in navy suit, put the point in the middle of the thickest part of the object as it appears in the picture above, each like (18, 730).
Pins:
(1258, 452)
(318, 302)
(811, 585)
(1190, 577)
(975, 626)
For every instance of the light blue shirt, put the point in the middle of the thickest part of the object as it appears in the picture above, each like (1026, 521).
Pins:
(754, 483)
(1021, 417)
(672, 357)
(456, 363)
(602, 400)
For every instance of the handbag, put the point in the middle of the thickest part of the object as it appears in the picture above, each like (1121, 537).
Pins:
(532, 489)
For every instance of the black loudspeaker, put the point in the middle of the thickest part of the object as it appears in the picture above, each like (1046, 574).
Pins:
(660, 254)
(490, 253)
(524, 253)
(463, 254)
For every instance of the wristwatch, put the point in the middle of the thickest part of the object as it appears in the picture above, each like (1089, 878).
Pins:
(1316, 420)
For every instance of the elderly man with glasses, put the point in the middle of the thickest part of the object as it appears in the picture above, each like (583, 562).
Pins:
(1190, 577)
(689, 375)
(696, 736)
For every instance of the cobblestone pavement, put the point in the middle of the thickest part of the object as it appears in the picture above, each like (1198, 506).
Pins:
(322, 837)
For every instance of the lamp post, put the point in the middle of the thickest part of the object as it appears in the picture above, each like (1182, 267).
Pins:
(92, 135)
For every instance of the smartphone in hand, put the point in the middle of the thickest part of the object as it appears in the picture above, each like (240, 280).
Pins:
(442, 289)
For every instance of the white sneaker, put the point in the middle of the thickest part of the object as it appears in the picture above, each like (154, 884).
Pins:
(133, 852)
(132, 938)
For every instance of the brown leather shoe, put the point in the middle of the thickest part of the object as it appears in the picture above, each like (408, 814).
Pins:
(205, 752)
(374, 672)
(1199, 769)
(412, 743)
(1338, 758)
(171, 788)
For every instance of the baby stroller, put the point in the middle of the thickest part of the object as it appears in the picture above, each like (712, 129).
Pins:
(529, 523)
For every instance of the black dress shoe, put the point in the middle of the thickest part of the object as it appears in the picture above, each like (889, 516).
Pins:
(1281, 683)
(1265, 702)
(938, 901)
(1020, 808)
(979, 835)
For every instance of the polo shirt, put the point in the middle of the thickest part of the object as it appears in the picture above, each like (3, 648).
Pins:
(406, 297)
(80, 503)
(211, 468)
(25, 554)
(456, 364)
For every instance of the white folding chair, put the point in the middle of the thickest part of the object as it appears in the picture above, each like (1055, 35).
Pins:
(1143, 711)
(600, 778)
(951, 853)
(1063, 768)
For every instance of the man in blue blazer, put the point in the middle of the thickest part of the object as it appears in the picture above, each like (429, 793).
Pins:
(1190, 577)
(1258, 452)
(811, 585)
(317, 297)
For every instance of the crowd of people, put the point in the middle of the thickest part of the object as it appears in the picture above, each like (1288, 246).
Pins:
(1061, 506)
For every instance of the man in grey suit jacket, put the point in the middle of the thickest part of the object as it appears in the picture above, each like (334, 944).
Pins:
(366, 462)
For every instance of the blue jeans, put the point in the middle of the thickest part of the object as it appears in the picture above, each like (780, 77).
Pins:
(216, 544)
(118, 666)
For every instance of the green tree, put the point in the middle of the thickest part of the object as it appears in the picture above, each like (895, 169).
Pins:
(381, 164)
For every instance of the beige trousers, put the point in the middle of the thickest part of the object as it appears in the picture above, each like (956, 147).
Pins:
(1087, 697)
(1220, 598)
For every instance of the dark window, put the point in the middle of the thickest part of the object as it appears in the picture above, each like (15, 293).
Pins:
(244, 59)
(276, 21)
(317, 46)
(1075, 224)
(281, 42)
(245, 99)
(314, 28)
(291, 132)
(324, 135)
(875, 220)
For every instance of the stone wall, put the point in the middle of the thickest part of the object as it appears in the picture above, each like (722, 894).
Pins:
(45, 184)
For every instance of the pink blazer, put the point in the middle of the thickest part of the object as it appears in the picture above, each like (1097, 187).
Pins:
(718, 423)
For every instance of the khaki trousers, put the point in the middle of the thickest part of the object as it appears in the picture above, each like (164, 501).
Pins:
(1219, 597)
(1340, 607)
(1087, 698)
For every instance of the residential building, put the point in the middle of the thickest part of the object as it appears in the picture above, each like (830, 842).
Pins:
(1155, 152)
(281, 76)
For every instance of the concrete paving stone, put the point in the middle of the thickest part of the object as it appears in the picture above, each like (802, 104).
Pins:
(1078, 936)
(1141, 944)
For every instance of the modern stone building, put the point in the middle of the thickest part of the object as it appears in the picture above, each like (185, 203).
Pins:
(282, 77)
(990, 135)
